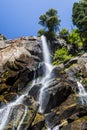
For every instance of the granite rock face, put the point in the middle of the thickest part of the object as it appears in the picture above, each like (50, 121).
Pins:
(20, 63)
(18, 60)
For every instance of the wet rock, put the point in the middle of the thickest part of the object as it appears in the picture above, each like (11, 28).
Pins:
(59, 89)
(58, 71)
(29, 101)
(67, 117)
(17, 113)
(74, 71)
(3, 88)
(80, 124)
(35, 91)
(23, 114)
(39, 126)
(40, 70)
(71, 62)
(10, 77)
(3, 102)
(38, 123)
(22, 80)
(10, 97)
(52, 117)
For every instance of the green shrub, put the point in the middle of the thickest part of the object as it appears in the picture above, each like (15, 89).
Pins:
(61, 55)
(74, 38)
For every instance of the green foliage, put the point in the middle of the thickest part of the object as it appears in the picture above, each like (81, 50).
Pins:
(84, 81)
(79, 17)
(61, 55)
(48, 34)
(74, 38)
(64, 33)
(50, 22)
(41, 32)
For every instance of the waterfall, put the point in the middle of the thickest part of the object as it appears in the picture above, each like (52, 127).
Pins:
(11, 108)
(43, 98)
(82, 94)
(47, 60)
(46, 54)
(6, 112)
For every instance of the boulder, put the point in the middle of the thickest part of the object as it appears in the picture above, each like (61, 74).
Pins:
(71, 62)
(35, 91)
(60, 86)
(66, 117)
(38, 123)
(58, 91)
(58, 71)
(10, 97)
(80, 124)
(18, 62)
(74, 71)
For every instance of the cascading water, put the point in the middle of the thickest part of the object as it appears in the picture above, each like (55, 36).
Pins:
(11, 108)
(6, 112)
(46, 56)
(82, 94)
(46, 53)
(44, 81)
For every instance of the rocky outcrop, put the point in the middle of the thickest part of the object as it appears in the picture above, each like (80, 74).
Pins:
(19, 65)
(2, 37)
(77, 68)
(61, 96)
(19, 59)
(68, 117)
(57, 44)
(55, 92)
(20, 48)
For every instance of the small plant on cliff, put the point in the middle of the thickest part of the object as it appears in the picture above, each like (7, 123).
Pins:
(61, 55)
(74, 38)
(50, 22)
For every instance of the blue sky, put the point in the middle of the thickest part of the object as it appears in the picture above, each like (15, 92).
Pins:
(20, 17)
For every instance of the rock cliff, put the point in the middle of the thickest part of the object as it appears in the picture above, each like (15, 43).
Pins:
(19, 64)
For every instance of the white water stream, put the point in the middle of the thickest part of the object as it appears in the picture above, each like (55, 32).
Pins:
(47, 74)
(43, 99)
(5, 112)
(25, 113)
(82, 94)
